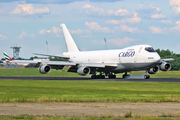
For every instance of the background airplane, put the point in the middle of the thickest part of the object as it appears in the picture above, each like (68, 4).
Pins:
(107, 62)
(10, 61)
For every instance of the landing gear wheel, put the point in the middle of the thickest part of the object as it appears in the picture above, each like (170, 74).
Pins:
(146, 76)
(111, 76)
(98, 77)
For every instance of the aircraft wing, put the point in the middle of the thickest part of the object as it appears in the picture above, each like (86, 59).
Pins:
(98, 65)
(52, 55)
(59, 63)
(168, 59)
(91, 65)
(23, 61)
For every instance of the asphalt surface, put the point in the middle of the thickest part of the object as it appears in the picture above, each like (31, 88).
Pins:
(89, 79)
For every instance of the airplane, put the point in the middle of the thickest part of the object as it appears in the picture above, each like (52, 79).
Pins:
(10, 61)
(106, 62)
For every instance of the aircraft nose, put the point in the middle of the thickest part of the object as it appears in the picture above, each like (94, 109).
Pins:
(157, 58)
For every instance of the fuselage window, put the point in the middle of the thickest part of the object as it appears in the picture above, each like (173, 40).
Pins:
(150, 49)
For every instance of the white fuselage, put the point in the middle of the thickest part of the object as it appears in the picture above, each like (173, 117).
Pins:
(130, 58)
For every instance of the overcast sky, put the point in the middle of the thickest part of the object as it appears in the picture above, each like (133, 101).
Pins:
(30, 23)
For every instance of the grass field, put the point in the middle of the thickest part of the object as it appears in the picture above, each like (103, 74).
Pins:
(87, 91)
(35, 72)
(108, 117)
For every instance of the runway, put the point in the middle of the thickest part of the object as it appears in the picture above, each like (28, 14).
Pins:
(89, 79)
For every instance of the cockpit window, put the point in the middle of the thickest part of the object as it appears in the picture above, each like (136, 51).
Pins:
(150, 49)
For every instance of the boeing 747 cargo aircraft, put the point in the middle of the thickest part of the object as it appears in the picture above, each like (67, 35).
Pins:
(106, 62)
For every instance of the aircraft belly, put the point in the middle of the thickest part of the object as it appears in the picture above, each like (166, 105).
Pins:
(138, 66)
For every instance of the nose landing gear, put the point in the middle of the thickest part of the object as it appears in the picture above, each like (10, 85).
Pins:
(146, 76)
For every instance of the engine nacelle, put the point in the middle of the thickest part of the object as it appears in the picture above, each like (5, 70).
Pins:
(165, 66)
(83, 70)
(44, 69)
(153, 70)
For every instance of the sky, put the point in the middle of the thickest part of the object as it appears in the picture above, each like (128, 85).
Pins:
(30, 23)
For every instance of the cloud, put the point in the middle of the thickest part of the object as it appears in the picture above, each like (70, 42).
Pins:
(176, 28)
(42, 31)
(2, 37)
(22, 35)
(79, 31)
(58, 1)
(53, 30)
(157, 16)
(157, 30)
(149, 8)
(166, 22)
(29, 9)
(150, 12)
(121, 12)
(96, 27)
(56, 29)
(132, 20)
(126, 28)
(120, 42)
(91, 10)
(175, 4)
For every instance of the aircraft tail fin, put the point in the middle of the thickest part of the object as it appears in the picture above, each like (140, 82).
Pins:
(7, 57)
(71, 45)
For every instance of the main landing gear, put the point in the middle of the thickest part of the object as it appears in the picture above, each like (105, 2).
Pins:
(100, 76)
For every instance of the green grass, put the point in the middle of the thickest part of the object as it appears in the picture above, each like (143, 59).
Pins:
(35, 72)
(105, 117)
(87, 91)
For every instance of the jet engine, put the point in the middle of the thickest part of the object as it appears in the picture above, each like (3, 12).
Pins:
(165, 66)
(153, 70)
(83, 70)
(44, 69)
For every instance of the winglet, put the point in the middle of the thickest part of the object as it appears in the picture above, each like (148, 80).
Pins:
(71, 45)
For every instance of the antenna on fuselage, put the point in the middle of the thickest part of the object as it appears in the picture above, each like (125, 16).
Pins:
(105, 43)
